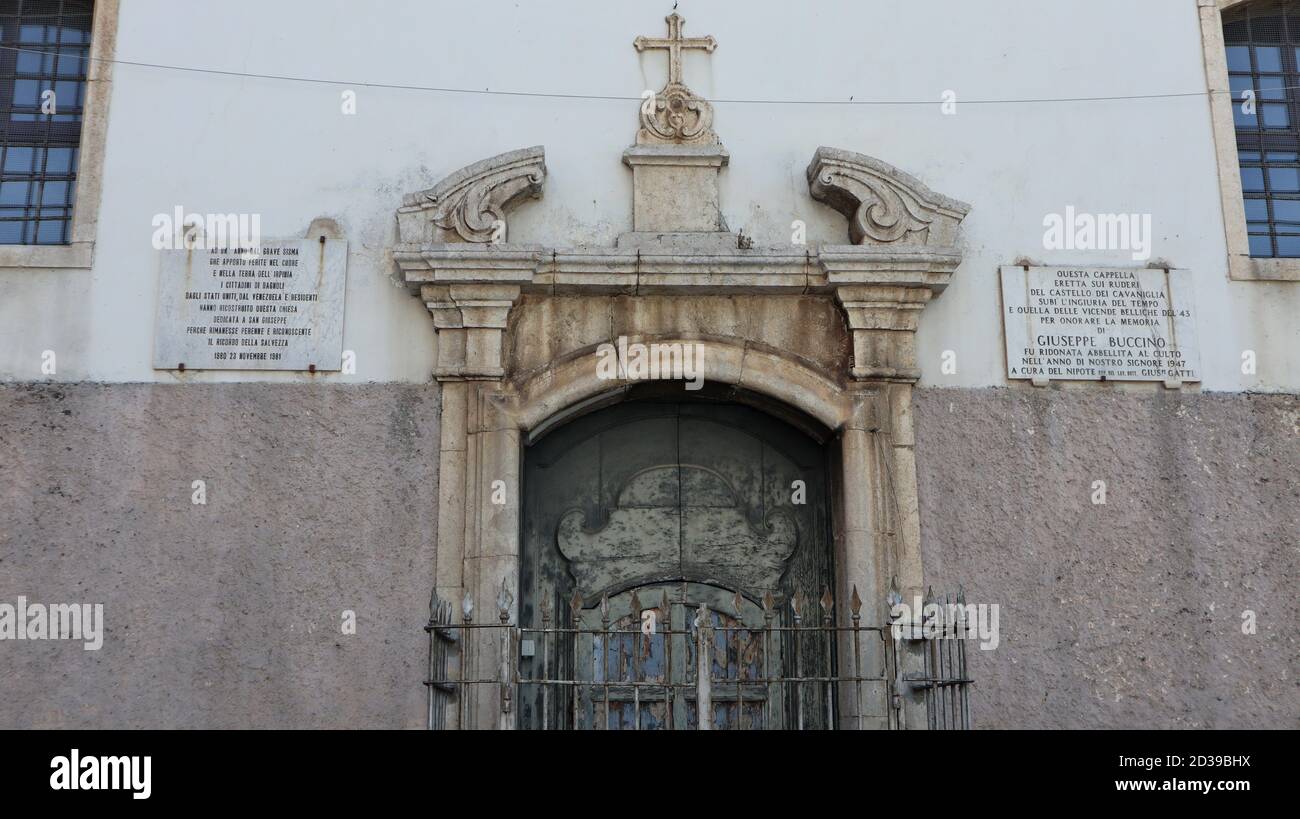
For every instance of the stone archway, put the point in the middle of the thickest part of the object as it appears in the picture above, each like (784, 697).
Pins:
(486, 424)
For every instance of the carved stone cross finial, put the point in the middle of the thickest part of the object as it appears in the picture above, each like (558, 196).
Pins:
(676, 114)
(673, 44)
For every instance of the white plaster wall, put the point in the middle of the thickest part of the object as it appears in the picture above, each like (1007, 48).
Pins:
(285, 150)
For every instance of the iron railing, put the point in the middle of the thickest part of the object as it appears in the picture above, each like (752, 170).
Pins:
(786, 673)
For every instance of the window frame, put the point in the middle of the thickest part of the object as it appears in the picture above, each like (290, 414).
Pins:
(79, 252)
(1241, 265)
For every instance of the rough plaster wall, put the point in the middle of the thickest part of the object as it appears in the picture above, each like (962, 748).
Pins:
(319, 499)
(1129, 614)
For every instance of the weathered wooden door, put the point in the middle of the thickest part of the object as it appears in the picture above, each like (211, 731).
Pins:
(648, 511)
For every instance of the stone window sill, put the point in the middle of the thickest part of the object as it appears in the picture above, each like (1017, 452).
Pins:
(75, 256)
(1247, 268)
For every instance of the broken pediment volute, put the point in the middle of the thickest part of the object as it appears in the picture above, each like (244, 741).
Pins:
(883, 204)
(471, 204)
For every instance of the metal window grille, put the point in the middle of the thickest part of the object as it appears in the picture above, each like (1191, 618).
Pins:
(1263, 51)
(737, 674)
(44, 58)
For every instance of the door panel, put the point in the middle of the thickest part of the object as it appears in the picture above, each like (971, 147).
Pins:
(670, 506)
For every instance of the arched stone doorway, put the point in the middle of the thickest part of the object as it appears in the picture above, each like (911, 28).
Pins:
(824, 327)
(637, 515)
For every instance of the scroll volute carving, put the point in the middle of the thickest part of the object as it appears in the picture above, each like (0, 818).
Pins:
(471, 204)
(677, 115)
(883, 204)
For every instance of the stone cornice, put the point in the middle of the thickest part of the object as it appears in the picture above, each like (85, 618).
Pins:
(791, 269)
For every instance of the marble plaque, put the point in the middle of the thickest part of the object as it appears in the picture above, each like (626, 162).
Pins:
(279, 308)
(1099, 324)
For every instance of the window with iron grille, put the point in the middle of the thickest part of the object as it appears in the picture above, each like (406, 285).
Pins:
(44, 58)
(1263, 51)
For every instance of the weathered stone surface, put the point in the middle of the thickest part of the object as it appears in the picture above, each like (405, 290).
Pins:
(1126, 615)
(319, 499)
(883, 204)
(550, 329)
(471, 204)
(675, 187)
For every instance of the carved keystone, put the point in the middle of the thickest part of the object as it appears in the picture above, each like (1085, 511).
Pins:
(471, 204)
(883, 204)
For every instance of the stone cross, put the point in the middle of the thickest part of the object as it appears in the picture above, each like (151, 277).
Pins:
(673, 44)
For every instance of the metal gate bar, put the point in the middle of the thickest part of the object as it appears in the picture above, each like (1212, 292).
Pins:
(944, 681)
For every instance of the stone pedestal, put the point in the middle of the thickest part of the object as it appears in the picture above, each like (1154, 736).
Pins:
(675, 187)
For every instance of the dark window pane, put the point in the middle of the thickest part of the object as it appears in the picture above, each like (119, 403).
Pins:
(1248, 156)
(1288, 246)
(18, 160)
(50, 233)
(26, 92)
(1267, 28)
(1272, 88)
(1285, 210)
(72, 64)
(1282, 156)
(54, 193)
(13, 193)
(31, 62)
(58, 161)
(1268, 58)
(1284, 180)
(31, 34)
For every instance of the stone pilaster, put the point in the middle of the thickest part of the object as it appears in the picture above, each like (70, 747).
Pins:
(883, 321)
(470, 320)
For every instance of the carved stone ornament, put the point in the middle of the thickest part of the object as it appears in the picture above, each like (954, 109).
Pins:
(883, 204)
(471, 204)
(676, 114)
